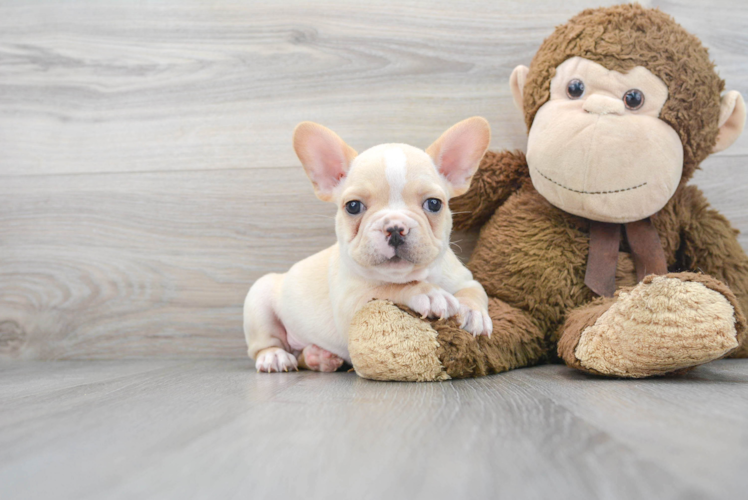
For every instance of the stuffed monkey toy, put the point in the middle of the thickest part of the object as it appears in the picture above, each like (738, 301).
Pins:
(593, 249)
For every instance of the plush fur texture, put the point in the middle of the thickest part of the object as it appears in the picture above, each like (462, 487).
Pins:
(531, 256)
(673, 321)
(626, 36)
(386, 344)
(390, 342)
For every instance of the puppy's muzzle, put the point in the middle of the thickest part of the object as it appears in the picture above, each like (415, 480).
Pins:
(395, 236)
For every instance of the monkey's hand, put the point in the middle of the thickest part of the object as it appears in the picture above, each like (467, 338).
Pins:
(500, 174)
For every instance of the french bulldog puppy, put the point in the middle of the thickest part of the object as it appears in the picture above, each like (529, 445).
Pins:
(393, 226)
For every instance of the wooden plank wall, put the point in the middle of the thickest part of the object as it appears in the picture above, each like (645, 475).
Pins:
(146, 172)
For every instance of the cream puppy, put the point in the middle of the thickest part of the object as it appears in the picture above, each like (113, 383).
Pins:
(393, 226)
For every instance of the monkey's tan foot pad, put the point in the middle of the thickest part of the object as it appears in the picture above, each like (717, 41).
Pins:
(387, 343)
(317, 359)
(663, 325)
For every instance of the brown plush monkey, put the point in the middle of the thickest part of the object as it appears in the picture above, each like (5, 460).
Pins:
(593, 248)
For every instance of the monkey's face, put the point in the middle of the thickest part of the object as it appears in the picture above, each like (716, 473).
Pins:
(597, 148)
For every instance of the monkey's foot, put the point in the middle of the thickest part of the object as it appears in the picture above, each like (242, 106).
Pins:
(317, 359)
(663, 325)
(390, 342)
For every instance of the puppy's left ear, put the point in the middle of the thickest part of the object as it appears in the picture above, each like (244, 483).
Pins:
(458, 152)
(325, 156)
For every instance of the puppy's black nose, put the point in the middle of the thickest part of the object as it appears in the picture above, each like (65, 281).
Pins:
(396, 236)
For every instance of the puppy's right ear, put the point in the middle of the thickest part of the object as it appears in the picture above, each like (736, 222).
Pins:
(325, 156)
(458, 152)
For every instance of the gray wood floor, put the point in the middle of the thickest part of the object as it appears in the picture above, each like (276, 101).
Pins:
(187, 429)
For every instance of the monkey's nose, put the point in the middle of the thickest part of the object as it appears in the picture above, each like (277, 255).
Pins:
(603, 105)
(395, 235)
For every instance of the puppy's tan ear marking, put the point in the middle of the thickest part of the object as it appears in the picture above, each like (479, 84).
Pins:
(458, 152)
(325, 156)
(731, 120)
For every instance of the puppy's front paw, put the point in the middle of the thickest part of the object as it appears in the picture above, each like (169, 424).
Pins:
(436, 303)
(475, 321)
(275, 359)
(318, 359)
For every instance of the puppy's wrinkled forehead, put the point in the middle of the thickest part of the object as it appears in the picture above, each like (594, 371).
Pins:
(392, 173)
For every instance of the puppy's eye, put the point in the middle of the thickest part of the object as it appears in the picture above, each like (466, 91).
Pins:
(633, 99)
(575, 89)
(354, 207)
(432, 205)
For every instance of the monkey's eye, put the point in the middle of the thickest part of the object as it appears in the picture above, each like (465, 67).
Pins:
(633, 99)
(432, 205)
(354, 207)
(575, 89)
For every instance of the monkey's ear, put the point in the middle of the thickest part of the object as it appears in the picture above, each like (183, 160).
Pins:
(325, 156)
(458, 152)
(731, 120)
(517, 83)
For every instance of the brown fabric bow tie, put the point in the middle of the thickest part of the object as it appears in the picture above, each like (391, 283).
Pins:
(605, 238)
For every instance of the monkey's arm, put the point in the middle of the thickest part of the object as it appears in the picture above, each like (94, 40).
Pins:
(499, 175)
(710, 245)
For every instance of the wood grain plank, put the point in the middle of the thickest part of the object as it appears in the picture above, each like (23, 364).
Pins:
(27, 382)
(680, 410)
(153, 264)
(87, 87)
(215, 428)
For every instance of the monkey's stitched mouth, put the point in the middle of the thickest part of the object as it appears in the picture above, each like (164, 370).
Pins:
(589, 192)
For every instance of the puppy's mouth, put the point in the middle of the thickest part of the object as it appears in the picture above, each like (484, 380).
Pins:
(395, 260)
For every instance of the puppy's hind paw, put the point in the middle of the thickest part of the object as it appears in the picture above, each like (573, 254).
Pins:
(317, 359)
(275, 359)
